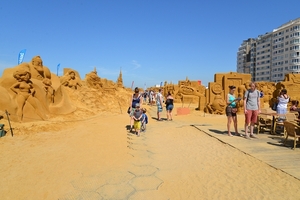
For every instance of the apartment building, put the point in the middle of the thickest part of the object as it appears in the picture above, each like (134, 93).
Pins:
(272, 55)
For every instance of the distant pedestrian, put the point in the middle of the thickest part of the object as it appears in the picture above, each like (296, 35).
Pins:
(145, 95)
(252, 109)
(159, 103)
(169, 106)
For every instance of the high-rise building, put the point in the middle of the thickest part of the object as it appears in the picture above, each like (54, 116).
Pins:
(272, 55)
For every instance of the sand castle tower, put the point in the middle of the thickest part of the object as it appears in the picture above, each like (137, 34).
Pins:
(120, 80)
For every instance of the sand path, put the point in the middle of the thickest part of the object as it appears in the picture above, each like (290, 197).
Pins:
(98, 159)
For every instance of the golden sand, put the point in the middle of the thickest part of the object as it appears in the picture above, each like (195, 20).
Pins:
(96, 158)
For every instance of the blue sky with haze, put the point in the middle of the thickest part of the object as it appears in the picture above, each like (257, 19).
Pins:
(150, 41)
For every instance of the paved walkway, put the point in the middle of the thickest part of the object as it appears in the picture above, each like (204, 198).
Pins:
(267, 148)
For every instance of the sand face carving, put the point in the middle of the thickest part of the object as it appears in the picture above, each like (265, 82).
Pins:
(24, 92)
(70, 80)
(37, 70)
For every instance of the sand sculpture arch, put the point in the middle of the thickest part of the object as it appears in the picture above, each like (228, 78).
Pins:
(217, 91)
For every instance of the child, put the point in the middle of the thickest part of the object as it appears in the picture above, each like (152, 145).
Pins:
(144, 120)
(137, 116)
(294, 106)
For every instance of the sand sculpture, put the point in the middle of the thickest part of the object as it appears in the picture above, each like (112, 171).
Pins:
(93, 80)
(71, 80)
(120, 80)
(185, 92)
(30, 92)
(270, 90)
(24, 93)
(217, 91)
(102, 84)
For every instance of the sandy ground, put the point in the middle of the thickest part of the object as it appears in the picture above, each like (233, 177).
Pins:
(96, 158)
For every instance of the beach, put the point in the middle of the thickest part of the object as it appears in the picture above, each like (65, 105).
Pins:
(97, 158)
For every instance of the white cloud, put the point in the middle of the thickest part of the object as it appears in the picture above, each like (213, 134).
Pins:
(136, 64)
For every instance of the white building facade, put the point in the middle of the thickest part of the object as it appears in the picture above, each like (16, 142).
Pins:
(271, 55)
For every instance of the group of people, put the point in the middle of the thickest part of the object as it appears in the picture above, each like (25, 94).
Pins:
(138, 117)
(252, 108)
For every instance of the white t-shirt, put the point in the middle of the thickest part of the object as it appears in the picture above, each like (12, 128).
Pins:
(282, 102)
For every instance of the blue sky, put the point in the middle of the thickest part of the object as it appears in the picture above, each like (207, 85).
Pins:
(152, 41)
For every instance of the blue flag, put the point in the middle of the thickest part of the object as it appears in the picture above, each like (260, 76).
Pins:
(57, 69)
(161, 84)
(21, 56)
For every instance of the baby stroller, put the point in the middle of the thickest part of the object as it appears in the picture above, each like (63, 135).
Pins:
(144, 121)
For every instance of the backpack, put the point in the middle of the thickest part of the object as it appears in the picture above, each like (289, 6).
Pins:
(258, 95)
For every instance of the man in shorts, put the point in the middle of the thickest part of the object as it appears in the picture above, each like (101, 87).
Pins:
(252, 109)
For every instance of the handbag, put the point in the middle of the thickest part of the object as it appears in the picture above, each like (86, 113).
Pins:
(230, 109)
(274, 107)
(128, 110)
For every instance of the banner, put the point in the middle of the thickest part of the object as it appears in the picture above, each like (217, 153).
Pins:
(132, 84)
(57, 69)
(21, 56)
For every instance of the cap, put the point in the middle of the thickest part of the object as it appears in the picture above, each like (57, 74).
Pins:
(137, 105)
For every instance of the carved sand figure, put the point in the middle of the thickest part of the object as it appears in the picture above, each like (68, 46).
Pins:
(217, 106)
(25, 92)
(94, 80)
(50, 92)
(70, 80)
(37, 70)
(120, 80)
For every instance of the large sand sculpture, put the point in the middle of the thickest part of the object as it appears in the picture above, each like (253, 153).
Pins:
(30, 92)
(213, 99)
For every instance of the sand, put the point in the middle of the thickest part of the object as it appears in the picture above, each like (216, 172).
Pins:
(96, 158)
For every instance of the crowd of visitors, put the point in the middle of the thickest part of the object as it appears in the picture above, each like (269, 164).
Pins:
(251, 104)
(138, 117)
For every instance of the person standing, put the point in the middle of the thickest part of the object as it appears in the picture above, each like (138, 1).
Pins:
(231, 110)
(282, 102)
(251, 109)
(135, 99)
(169, 106)
(159, 103)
